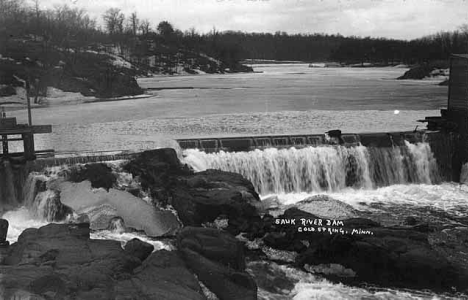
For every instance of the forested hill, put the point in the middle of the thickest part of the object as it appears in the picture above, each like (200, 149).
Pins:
(64, 48)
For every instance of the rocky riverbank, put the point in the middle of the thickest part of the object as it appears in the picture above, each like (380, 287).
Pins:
(433, 71)
(61, 76)
(222, 226)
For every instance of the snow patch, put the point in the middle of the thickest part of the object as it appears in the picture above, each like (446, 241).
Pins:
(6, 58)
(120, 62)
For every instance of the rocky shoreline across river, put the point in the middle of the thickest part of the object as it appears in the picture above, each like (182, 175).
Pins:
(221, 226)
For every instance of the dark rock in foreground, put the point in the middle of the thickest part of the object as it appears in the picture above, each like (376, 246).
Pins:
(163, 275)
(139, 249)
(204, 196)
(3, 233)
(218, 260)
(401, 256)
(60, 261)
(213, 244)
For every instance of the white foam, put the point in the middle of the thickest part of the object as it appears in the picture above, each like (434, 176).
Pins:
(19, 220)
(309, 287)
(446, 196)
(127, 236)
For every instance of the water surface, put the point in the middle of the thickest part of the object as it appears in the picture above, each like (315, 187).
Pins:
(283, 99)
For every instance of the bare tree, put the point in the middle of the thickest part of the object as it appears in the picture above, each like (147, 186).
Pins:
(145, 26)
(114, 20)
(37, 15)
(134, 23)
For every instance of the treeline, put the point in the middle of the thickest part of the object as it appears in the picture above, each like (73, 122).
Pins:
(137, 39)
(323, 47)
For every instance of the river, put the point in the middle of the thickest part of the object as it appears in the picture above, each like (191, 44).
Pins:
(282, 99)
(279, 99)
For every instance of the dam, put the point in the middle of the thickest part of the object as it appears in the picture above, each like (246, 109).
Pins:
(446, 135)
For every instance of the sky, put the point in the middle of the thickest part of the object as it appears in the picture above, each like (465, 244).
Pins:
(398, 19)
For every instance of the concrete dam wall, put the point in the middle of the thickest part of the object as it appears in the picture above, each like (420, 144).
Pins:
(249, 143)
(442, 144)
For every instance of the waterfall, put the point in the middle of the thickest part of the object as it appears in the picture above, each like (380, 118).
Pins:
(324, 168)
(47, 206)
(34, 184)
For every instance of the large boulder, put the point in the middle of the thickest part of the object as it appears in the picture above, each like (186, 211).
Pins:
(213, 244)
(218, 260)
(155, 167)
(326, 207)
(398, 256)
(139, 248)
(199, 205)
(197, 197)
(67, 244)
(60, 261)
(391, 257)
(418, 72)
(65, 251)
(102, 206)
(3, 231)
(100, 175)
(204, 196)
(163, 275)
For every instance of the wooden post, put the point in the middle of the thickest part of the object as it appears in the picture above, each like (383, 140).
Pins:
(29, 112)
(28, 144)
(5, 145)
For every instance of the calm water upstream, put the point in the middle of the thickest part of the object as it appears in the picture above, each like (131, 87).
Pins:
(282, 99)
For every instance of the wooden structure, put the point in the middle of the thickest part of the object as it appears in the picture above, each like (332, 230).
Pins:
(458, 83)
(457, 107)
(454, 119)
(20, 132)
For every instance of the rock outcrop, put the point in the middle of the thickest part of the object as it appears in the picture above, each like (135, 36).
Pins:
(100, 175)
(326, 207)
(400, 256)
(321, 236)
(139, 249)
(197, 197)
(60, 261)
(3, 233)
(218, 260)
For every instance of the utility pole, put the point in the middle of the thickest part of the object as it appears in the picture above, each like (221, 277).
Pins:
(29, 111)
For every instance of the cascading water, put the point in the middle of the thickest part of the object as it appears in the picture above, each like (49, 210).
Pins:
(47, 197)
(36, 207)
(325, 168)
